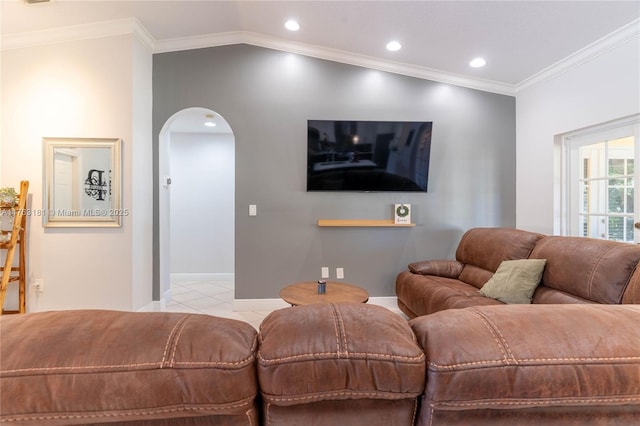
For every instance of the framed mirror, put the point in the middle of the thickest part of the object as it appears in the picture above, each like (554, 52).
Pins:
(82, 185)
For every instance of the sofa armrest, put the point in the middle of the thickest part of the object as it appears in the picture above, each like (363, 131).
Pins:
(440, 268)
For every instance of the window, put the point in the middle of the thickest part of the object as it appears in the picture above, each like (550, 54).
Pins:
(601, 181)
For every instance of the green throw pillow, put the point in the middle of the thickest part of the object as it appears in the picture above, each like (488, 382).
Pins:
(515, 280)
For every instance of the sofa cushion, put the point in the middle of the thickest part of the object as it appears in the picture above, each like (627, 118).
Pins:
(93, 366)
(486, 248)
(515, 280)
(592, 269)
(344, 412)
(552, 296)
(336, 352)
(425, 294)
(512, 357)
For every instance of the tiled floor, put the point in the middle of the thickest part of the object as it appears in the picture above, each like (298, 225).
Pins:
(209, 297)
(213, 298)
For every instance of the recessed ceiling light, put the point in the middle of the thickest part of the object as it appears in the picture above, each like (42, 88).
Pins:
(394, 45)
(292, 25)
(209, 120)
(477, 63)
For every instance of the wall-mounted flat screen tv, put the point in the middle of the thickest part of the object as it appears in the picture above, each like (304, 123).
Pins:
(368, 155)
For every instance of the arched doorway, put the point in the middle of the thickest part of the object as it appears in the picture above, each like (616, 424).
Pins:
(196, 199)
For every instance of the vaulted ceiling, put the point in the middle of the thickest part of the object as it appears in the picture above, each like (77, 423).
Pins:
(519, 39)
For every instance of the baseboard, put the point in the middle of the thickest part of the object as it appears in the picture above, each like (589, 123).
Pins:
(157, 305)
(259, 304)
(166, 297)
(222, 276)
(390, 302)
(154, 306)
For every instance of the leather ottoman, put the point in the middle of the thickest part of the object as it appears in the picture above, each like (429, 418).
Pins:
(329, 364)
(86, 367)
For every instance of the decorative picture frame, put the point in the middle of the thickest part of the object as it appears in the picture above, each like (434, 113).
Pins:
(82, 183)
(402, 214)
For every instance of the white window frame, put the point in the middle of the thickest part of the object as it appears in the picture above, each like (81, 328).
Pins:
(570, 143)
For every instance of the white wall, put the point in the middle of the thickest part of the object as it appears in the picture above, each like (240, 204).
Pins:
(82, 89)
(142, 176)
(163, 212)
(602, 89)
(202, 203)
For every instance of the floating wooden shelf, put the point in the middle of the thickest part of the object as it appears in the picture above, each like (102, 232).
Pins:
(361, 222)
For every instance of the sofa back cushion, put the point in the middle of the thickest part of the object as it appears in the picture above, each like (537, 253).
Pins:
(531, 365)
(592, 269)
(97, 366)
(551, 296)
(482, 250)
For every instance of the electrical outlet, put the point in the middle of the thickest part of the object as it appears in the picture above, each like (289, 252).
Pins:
(339, 273)
(325, 272)
(37, 285)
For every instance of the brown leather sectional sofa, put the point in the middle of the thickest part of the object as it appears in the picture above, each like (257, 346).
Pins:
(571, 357)
(324, 364)
(563, 360)
(578, 270)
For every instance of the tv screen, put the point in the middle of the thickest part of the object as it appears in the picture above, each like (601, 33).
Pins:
(368, 155)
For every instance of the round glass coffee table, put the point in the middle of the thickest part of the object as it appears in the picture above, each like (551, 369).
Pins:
(306, 293)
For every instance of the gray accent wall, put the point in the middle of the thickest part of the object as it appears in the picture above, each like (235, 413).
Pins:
(267, 96)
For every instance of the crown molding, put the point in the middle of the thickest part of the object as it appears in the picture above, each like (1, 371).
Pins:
(609, 42)
(133, 26)
(78, 32)
(377, 64)
(199, 42)
(261, 40)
